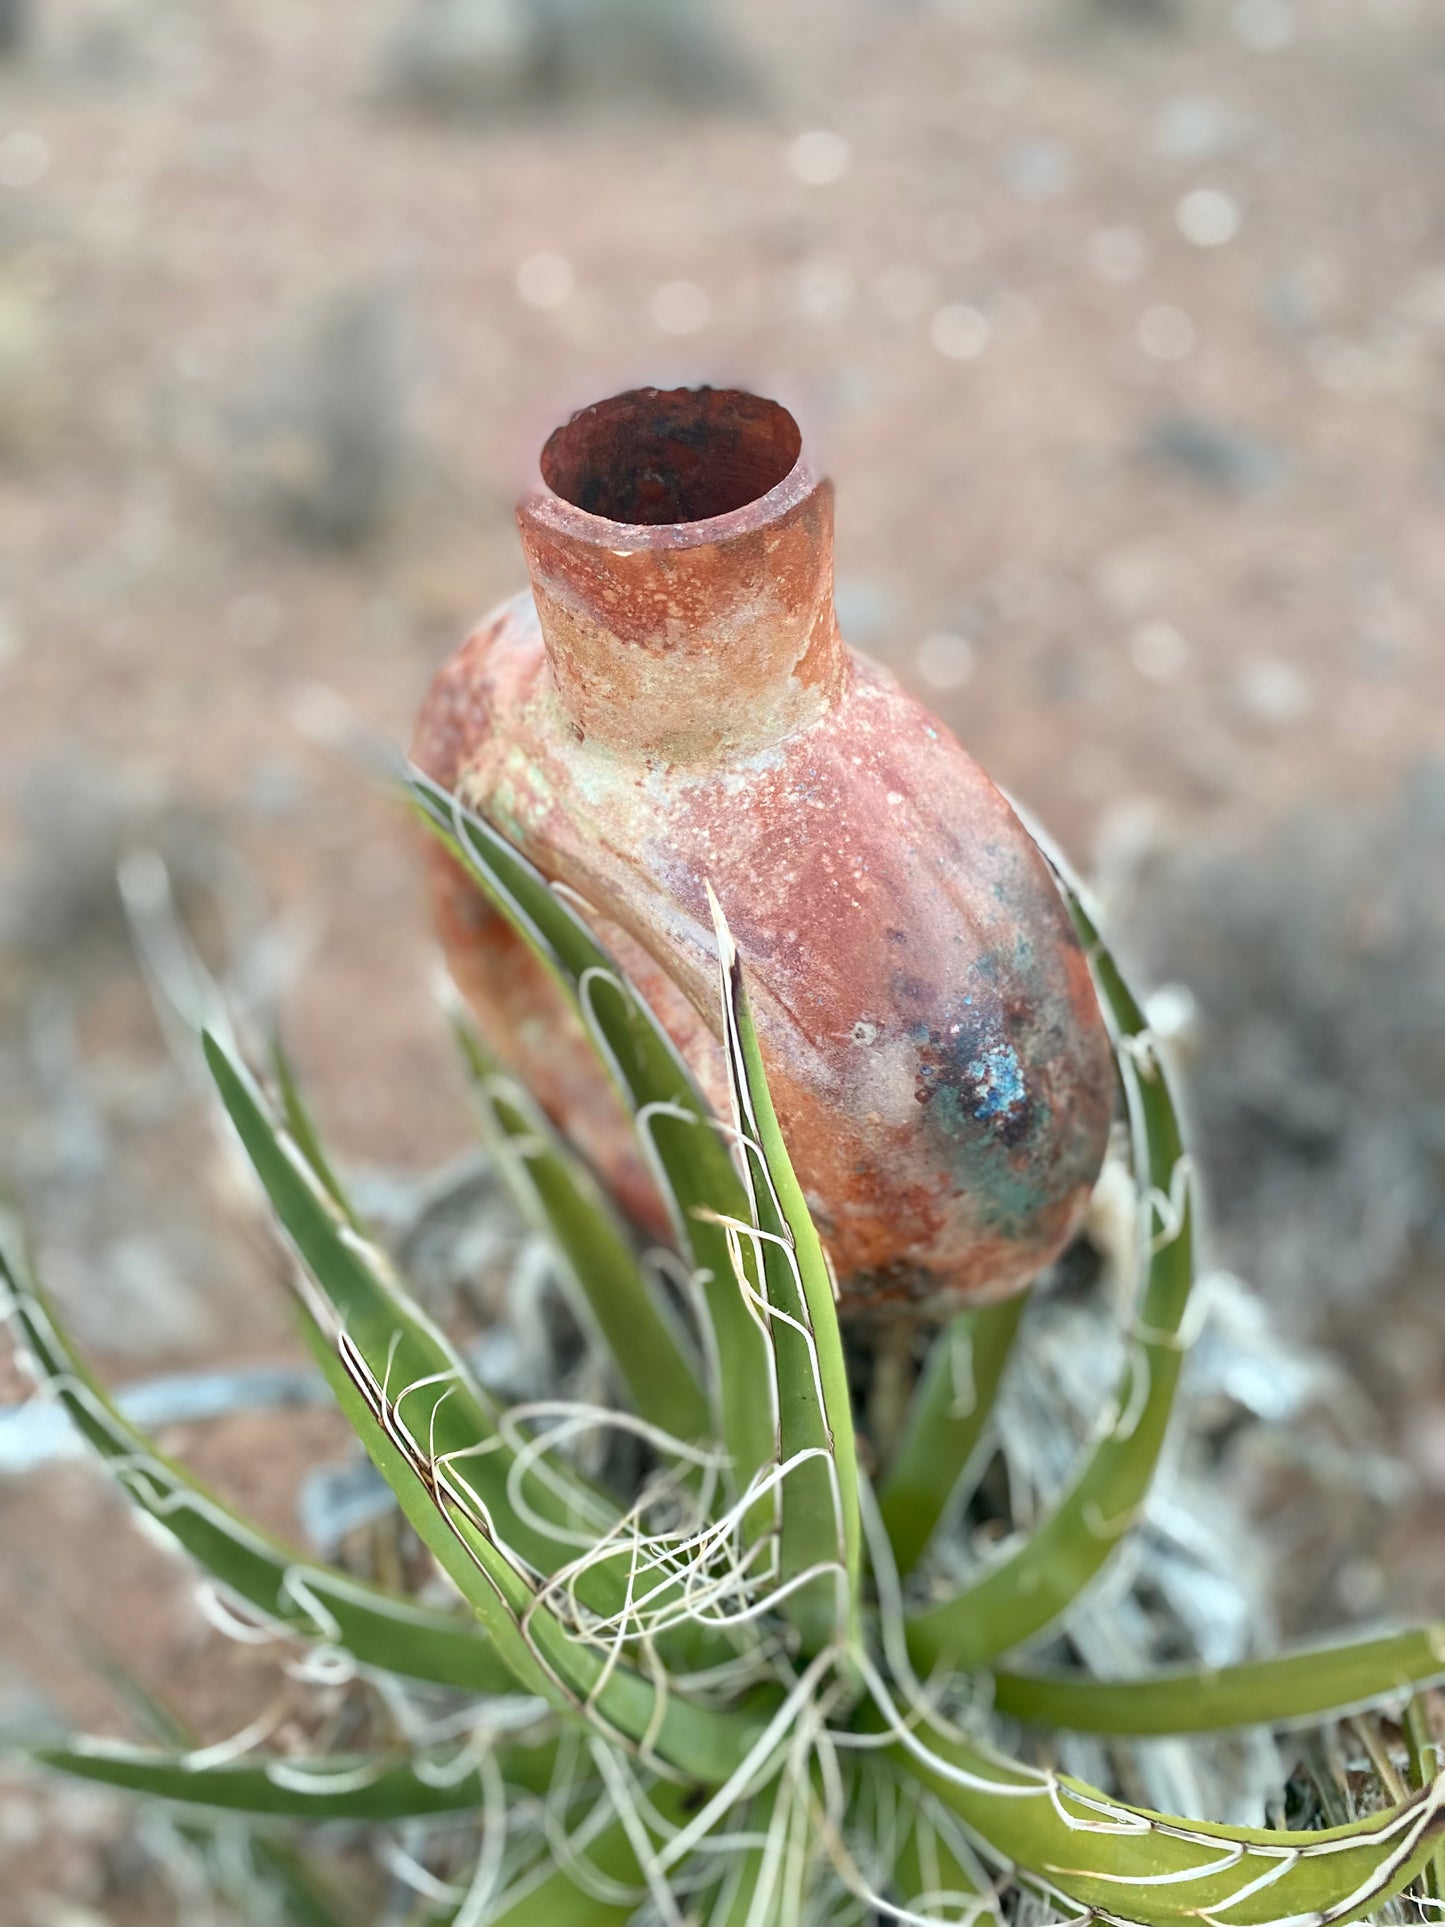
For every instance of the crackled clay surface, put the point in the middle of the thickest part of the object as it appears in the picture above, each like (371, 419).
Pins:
(672, 703)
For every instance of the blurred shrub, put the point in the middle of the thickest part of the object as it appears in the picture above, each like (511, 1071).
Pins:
(1135, 13)
(31, 383)
(325, 448)
(14, 26)
(1318, 1080)
(484, 56)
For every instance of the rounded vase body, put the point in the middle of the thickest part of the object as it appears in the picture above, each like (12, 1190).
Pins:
(671, 706)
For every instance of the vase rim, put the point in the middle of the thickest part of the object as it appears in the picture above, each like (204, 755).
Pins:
(755, 438)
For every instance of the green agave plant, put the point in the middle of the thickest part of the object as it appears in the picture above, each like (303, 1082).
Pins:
(724, 1696)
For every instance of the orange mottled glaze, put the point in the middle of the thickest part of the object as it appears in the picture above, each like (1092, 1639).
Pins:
(671, 705)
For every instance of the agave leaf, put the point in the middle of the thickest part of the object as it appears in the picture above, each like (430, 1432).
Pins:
(150, 1711)
(745, 1895)
(1317, 1683)
(1031, 1586)
(428, 1418)
(947, 1417)
(319, 1602)
(675, 1128)
(1088, 1852)
(359, 1394)
(703, 1744)
(577, 1675)
(935, 1869)
(296, 1116)
(270, 1863)
(749, 1894)
(561, 1196)
(601, 1881)
(685, 1644)
(276, 1786)
(432, 1397)
(556, 1900)
(1427, 1759)
(434, 1437)
(307, 1901)
(820, 1531)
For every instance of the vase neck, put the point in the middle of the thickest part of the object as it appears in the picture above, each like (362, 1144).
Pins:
(681, 559)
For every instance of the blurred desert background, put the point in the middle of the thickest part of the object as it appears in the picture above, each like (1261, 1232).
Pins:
(1120, 325)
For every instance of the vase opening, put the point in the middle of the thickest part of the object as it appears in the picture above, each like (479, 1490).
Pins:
(654, 456)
